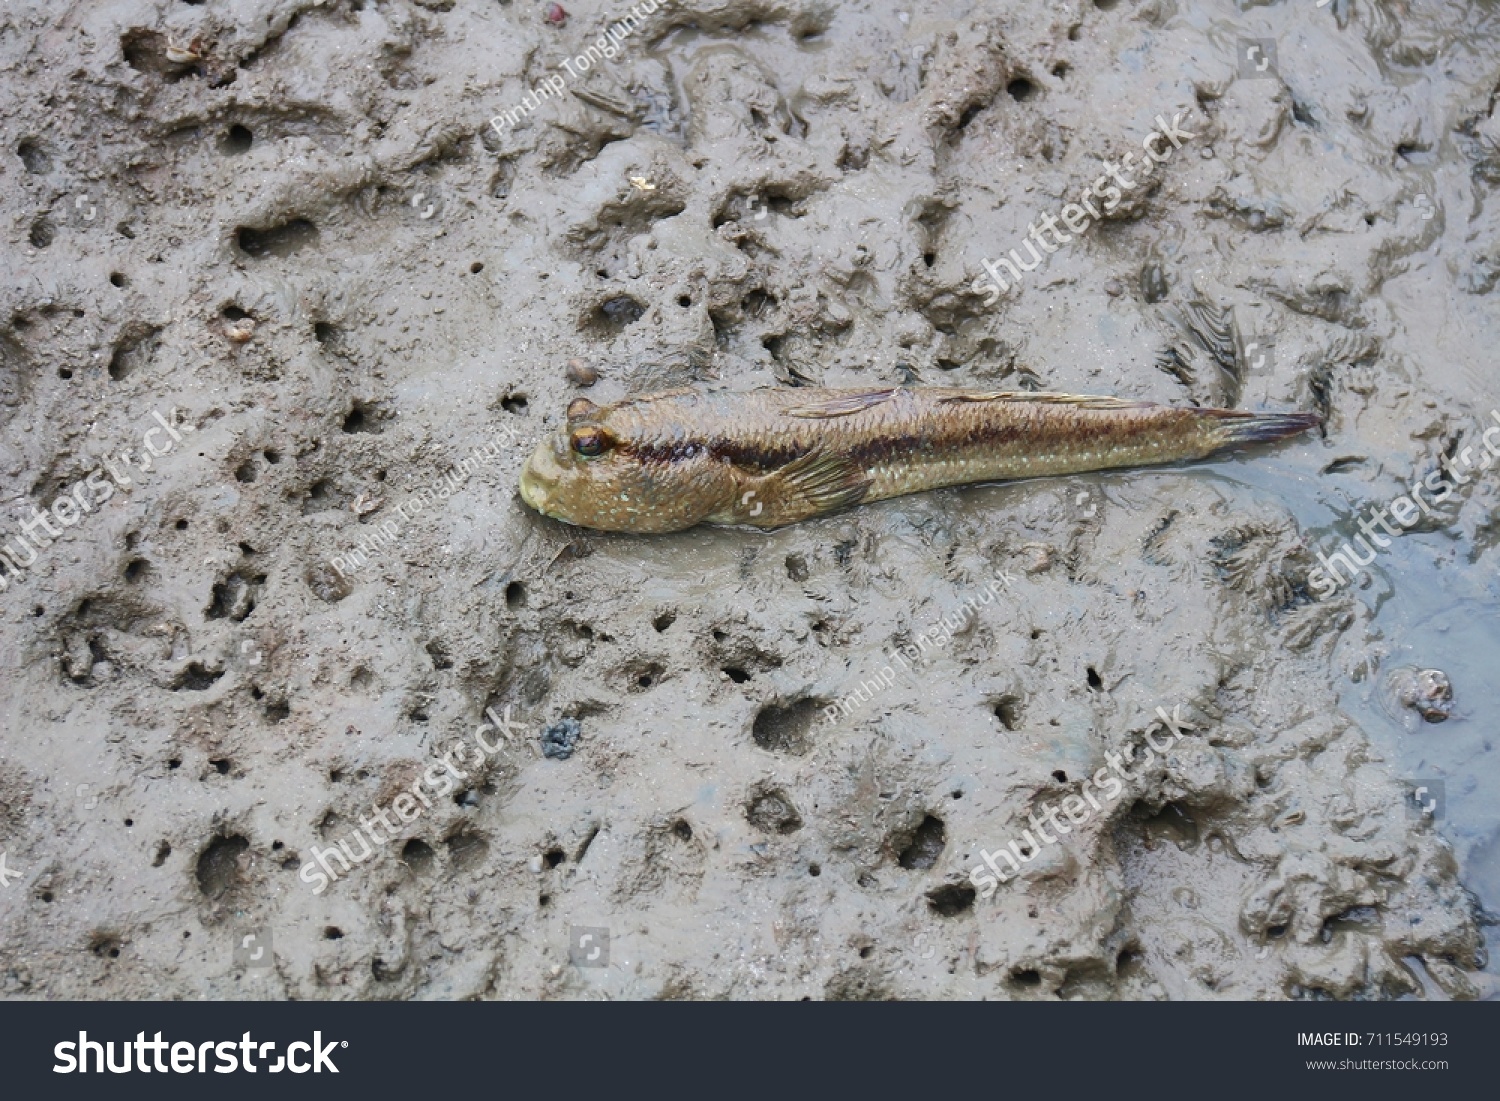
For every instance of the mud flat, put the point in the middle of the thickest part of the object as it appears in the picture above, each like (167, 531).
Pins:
(285, 238)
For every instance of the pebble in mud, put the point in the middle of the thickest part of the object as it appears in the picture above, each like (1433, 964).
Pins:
(1428, 692)
(559, 738)
(579, 373)
(1040, 557)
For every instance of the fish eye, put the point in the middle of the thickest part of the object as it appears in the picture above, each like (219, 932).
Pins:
(590, 442)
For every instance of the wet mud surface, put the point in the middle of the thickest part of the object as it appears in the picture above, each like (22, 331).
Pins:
(278, 283)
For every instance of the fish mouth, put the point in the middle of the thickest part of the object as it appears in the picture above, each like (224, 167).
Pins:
(533, 491)
(544, 484)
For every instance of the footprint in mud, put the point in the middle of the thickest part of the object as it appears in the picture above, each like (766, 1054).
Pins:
(951, 899)
(639, 676)
(137, 346)
(220, 866)
(919, 849)
(281, 240)
(666, 855)
(770, 810)
(786, 728)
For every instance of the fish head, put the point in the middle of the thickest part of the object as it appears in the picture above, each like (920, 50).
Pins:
(597, 472)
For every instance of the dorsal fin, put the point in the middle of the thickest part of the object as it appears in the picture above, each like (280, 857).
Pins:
(1083, 401)
(844, 404)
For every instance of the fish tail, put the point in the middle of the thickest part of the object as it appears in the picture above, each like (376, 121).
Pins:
(1237, 429)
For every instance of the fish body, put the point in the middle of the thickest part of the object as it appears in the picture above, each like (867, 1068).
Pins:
(664, 462)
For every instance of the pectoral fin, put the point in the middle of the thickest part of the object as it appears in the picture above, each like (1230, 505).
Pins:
(814, 485)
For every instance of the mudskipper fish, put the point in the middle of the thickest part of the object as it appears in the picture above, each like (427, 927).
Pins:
(664, 462)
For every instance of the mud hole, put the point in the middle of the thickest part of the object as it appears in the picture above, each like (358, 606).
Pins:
(281, 241)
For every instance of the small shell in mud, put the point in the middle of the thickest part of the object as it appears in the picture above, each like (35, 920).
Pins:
(1427, 692)
(365, 504)
(580, 373)
(555, 14)
(1289, 818)
(240, 329)
(185, 55)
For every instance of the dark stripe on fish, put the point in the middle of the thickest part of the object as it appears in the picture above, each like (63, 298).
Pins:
(736, 452)
(886, 449)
